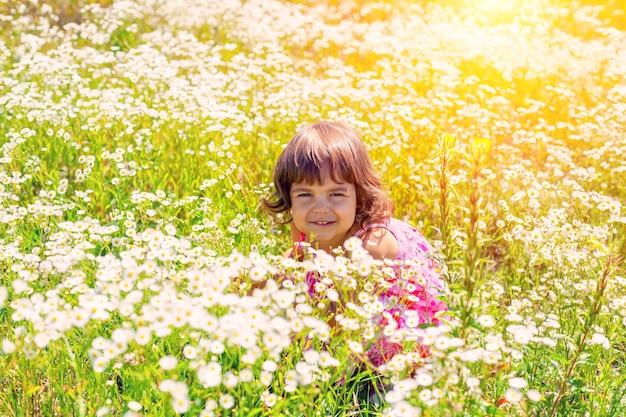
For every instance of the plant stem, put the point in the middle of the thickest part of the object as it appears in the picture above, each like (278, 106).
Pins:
(473, 251)
(593, 314)
(81, 400)
(444, 207)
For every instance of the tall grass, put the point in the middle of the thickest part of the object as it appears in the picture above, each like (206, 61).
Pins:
(137, 138)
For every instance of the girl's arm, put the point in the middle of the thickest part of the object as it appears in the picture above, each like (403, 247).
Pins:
(295, 238)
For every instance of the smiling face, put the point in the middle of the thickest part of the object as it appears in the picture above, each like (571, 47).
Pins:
(325, 211)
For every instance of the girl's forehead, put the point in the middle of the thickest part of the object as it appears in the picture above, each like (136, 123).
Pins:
(324, 180)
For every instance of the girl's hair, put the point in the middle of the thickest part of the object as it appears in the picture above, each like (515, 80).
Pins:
(333, 147)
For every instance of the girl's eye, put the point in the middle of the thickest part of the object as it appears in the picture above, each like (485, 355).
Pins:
(303, 194)
(337, 195)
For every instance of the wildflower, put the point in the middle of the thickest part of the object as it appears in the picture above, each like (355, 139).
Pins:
(424, 379)
(19, 286)
(472, 382)
(103, 411)
(521, 334)
(355, 347)
(230, 380)
(266, 378)
(405, 409)
(291, 378)
(257, 273)
(246, 375)
(210, 375)
(270, 366)
(284, 298)
(100, 364)
(166, 385)
(486, 321)
(327, 360)
(352, 243)
(181, 404)
(210, 405)
(442, 342)
(167, 363)
(518, 383)
(304, 368)
(3, 296)
(190, 352)
(227, 401)
(134, 406)
(369, 333)
(512, 395)
(8, 346)
(425, 395)
(534, 395)
(513, 317)
(143, 335)
(599, 339)
(365, 266)
(406, 385)
(269, 399)
(393, 396)
(217, 347)
(311, 356)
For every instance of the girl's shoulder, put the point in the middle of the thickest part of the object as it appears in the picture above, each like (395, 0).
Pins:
(380, 242)
(408, 241)
(412, 242)
(394, 239)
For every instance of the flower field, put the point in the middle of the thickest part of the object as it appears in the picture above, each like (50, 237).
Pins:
(139, 276)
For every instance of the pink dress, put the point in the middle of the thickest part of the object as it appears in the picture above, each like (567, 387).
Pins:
(416, 287)
(414, 250)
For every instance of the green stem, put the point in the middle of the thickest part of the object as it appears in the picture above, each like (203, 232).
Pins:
(81, 400)
(473, 250)
(444, 207)
(593, 314)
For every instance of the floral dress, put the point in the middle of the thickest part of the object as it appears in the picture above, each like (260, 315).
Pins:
(412, 291)
(413, 250)
(415, 288)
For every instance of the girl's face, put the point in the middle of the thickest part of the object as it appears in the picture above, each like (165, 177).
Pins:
(324, 211)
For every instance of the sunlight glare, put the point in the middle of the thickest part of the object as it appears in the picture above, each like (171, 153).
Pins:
(499, 11)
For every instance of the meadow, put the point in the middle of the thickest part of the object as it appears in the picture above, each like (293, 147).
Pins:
(138, 136)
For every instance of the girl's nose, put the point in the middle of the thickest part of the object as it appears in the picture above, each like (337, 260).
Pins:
(320, 210)
(321, 206)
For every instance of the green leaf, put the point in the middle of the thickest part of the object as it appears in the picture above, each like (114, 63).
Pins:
(576, 383)
(32, 389)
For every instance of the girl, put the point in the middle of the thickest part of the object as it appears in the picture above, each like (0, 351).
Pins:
(328, 191)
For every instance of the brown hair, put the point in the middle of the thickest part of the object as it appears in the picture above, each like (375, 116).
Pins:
(336, 147)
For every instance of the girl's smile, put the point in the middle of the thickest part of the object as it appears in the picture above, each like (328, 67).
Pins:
(324, 211)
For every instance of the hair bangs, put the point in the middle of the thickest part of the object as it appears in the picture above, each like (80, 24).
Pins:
(313, 160)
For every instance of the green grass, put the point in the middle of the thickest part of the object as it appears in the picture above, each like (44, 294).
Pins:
(136, 143)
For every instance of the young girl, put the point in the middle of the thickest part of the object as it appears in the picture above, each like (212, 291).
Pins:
(328, 191)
